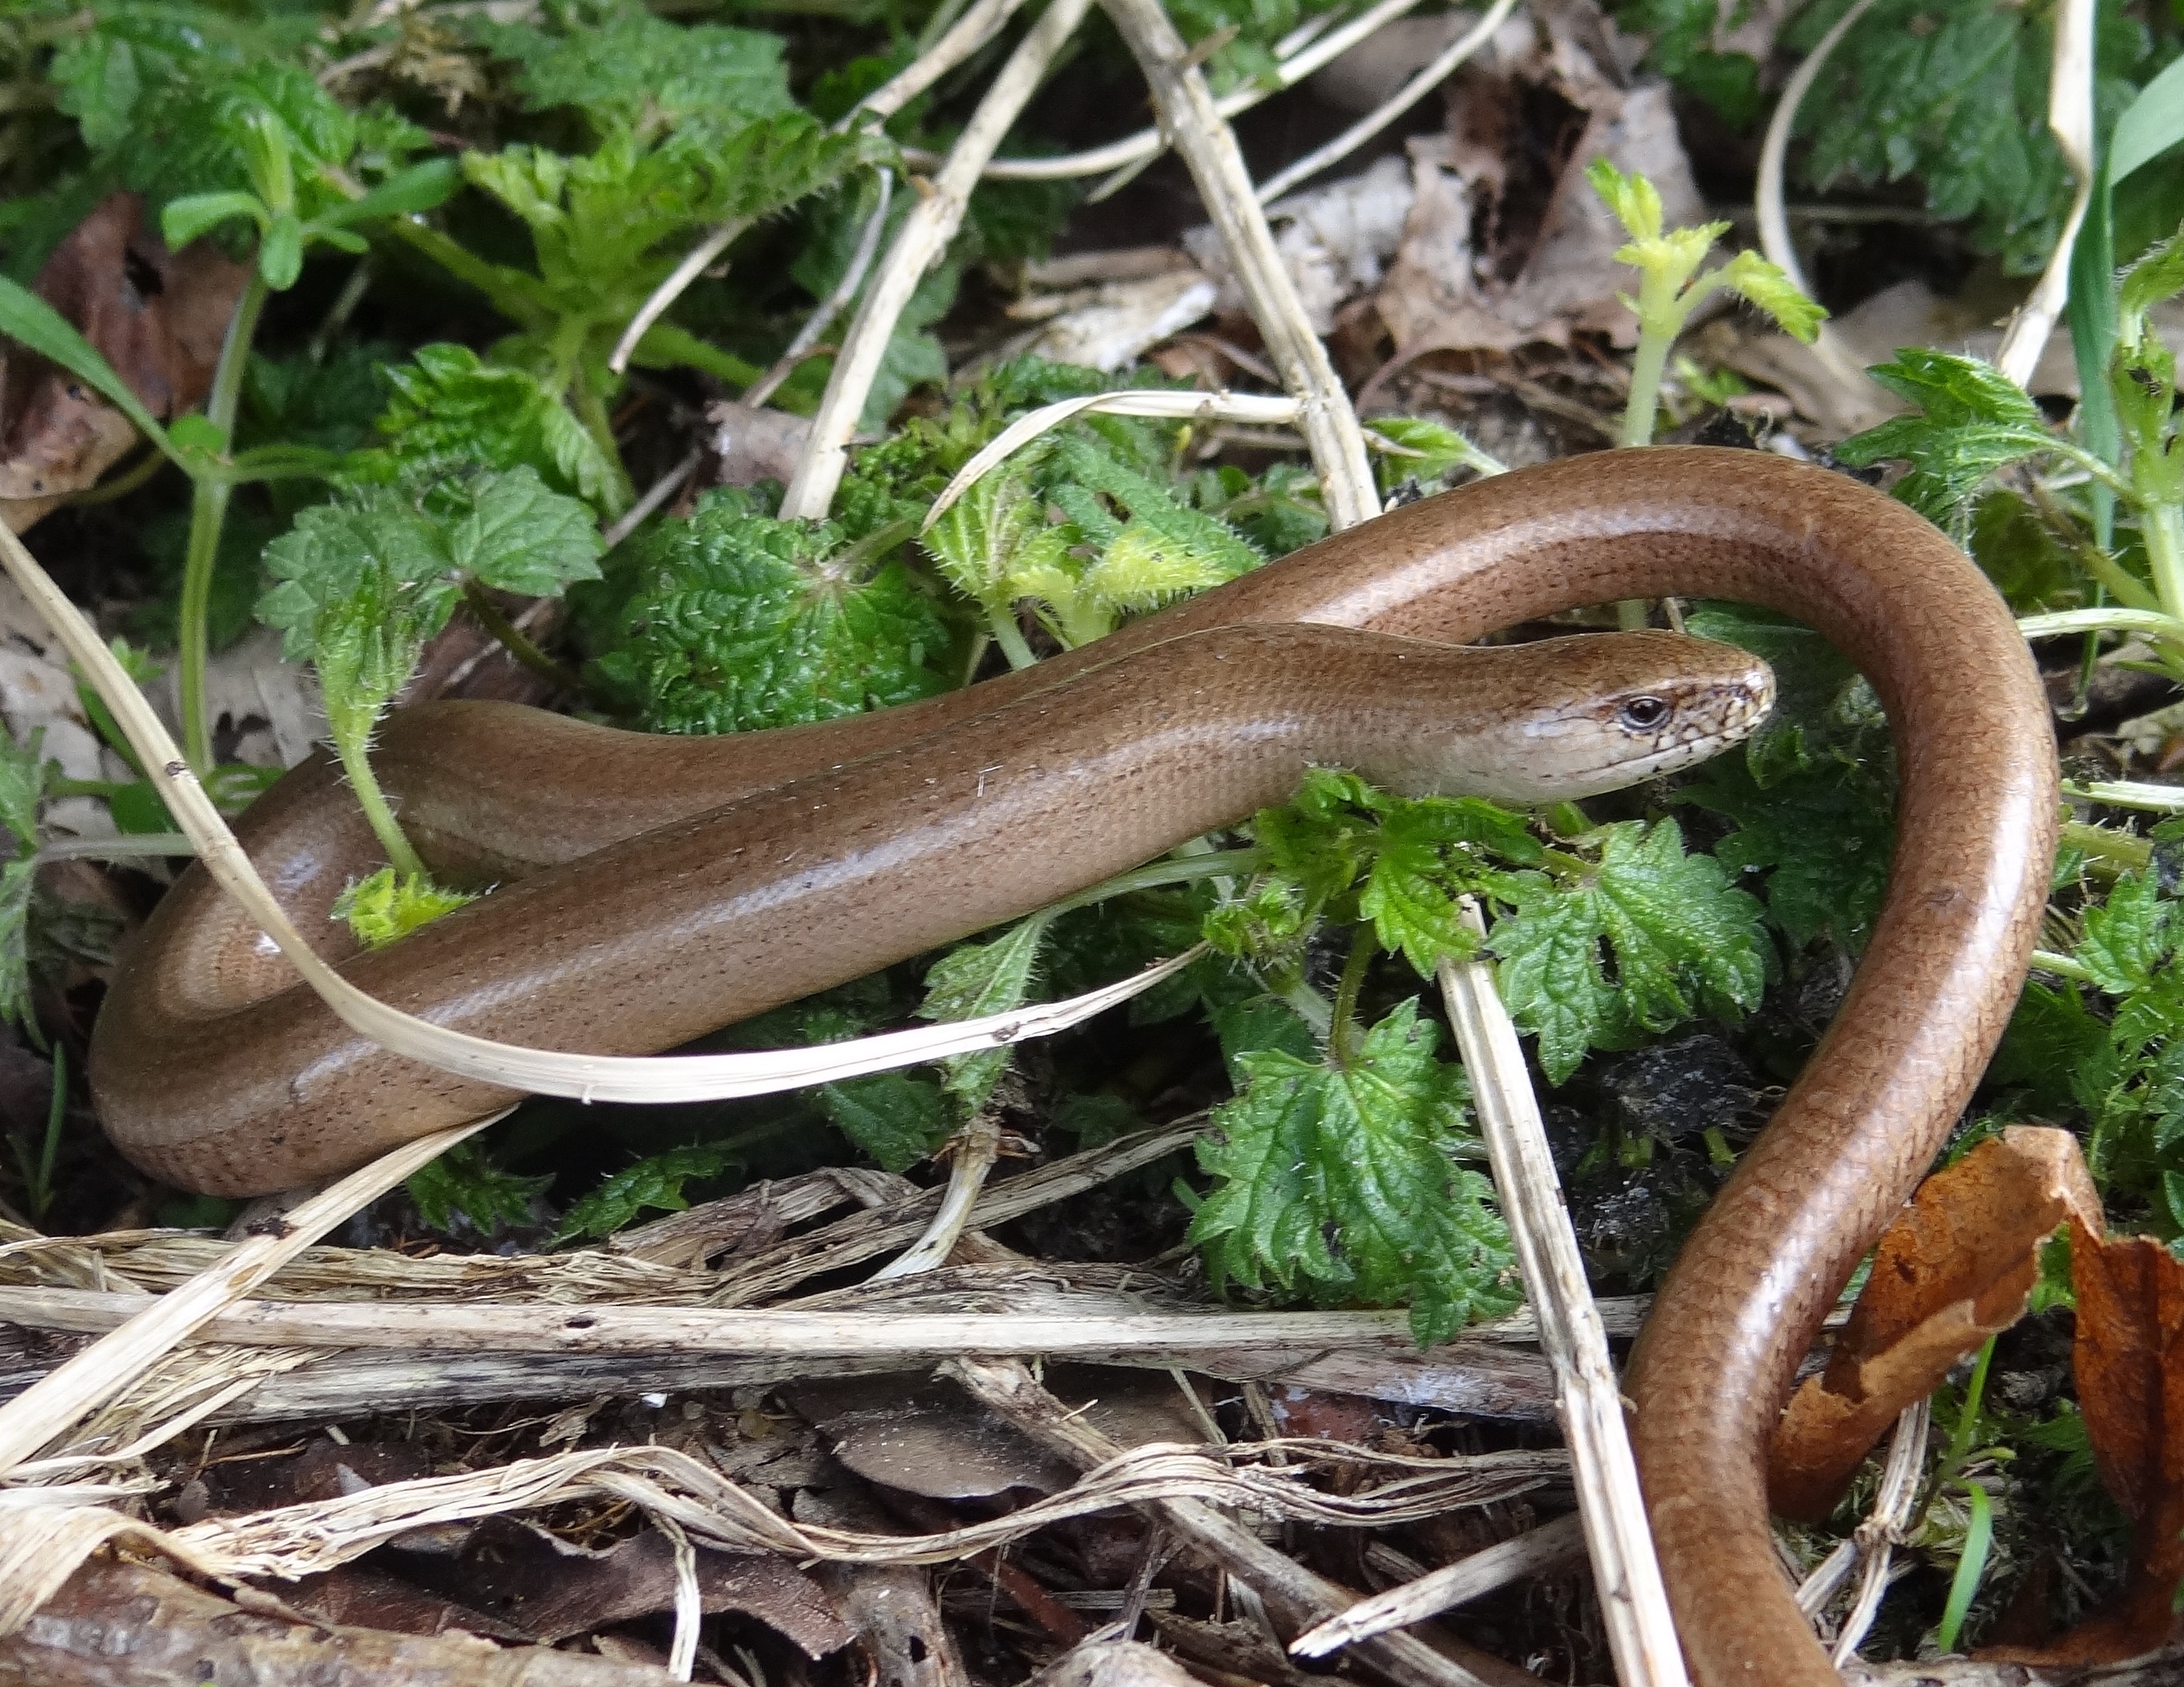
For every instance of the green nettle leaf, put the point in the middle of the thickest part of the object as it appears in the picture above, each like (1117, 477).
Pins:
(371, 543)
(1682, 939)
(1824, 838)
(1973, 420)
(656, 1182)
(896, 1118)
(976, 979)
(994, 537)
(464, 1183)
(1346, 1183)
(514, 534)
(632, 68)
(448, 409)
(390, 904)
(1426, 451)
(22, 787)
(2127, 936)
(742, 621)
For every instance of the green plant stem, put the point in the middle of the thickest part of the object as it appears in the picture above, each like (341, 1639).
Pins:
(2161, 528)
(2047, 960)
(2125, 851)
(208, 516)
(1659, 321)
(487, 614)
(1227, 864)
(1342, 1024)
(1010, 637)
(401, 854)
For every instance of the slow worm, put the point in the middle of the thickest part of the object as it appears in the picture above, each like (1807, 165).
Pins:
(633, 904)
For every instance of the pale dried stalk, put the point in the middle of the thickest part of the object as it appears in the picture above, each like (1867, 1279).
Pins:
(1767, 206)
(695, 263)
(834, 303)
(2070, 119)
(45, 1533)
(1148, 144)
(587, 1078)
(900, 1338)
(919, 245)
(1227, 407)
(1436, 71)
(1876, 1537)
(1532, 1554)
(48, 1407)
(1192, 120)
(979, 24)
(1642, 1635)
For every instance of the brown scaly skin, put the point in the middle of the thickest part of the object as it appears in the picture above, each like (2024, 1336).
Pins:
(1949, 952)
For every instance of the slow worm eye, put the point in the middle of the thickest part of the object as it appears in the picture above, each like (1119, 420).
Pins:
(1643, 714)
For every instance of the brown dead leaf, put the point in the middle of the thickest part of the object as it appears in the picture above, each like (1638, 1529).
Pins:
(1957, 1265)
(1495, 255)
(156, 316)
(550, 1590)
(2130, 1363)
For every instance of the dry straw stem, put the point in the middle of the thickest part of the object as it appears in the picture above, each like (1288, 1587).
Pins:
(1436, 71)
(1768, 207)
(1148, 144)
(1536, 1552)
(1298, 1597)
(44, 1535)
(587, 1078)
(1641, 1635)
(979, 24)
(1876, 1538)
(2070, 119)
(1265, 411)
(1191, 120)
(48, 1407)
(917, 246)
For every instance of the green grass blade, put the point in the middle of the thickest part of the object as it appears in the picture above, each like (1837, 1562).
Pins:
(1979, 1541)
(26, 317)
(2151, 124)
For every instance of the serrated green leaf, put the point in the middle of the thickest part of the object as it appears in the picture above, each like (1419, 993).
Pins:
(18, 882)
(1973, 421)
(896, 1118)
(516, 535)
(656, 1182)
(742, 622)
(1764, 285)
(464, 1183)
(973, 979)
(22, 788)
(451, 409)
(1683, 939)
(630, 68)
(1345, 1184)
(2127, 936)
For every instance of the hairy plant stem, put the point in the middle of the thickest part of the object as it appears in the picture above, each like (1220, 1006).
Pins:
(208, 516)
(2120, 851)
(350, 746)
(1010, 637)
(1342, 1025)
(2161, 526)
(487, 614)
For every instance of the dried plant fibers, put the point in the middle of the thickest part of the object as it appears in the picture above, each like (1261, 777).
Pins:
(1975, 835)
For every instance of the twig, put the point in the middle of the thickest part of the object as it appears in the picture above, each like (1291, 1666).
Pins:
(1641, 1635)
(969, 32)
(807, 336)
(1535, 1552)
(1774, 242)
(2070, 119)
(1148, 144)
(1876, 1537)
(46, 1408)
(1190, 116)
(655, 495)
(1436, 71)
(656, 303)
(919, 244)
